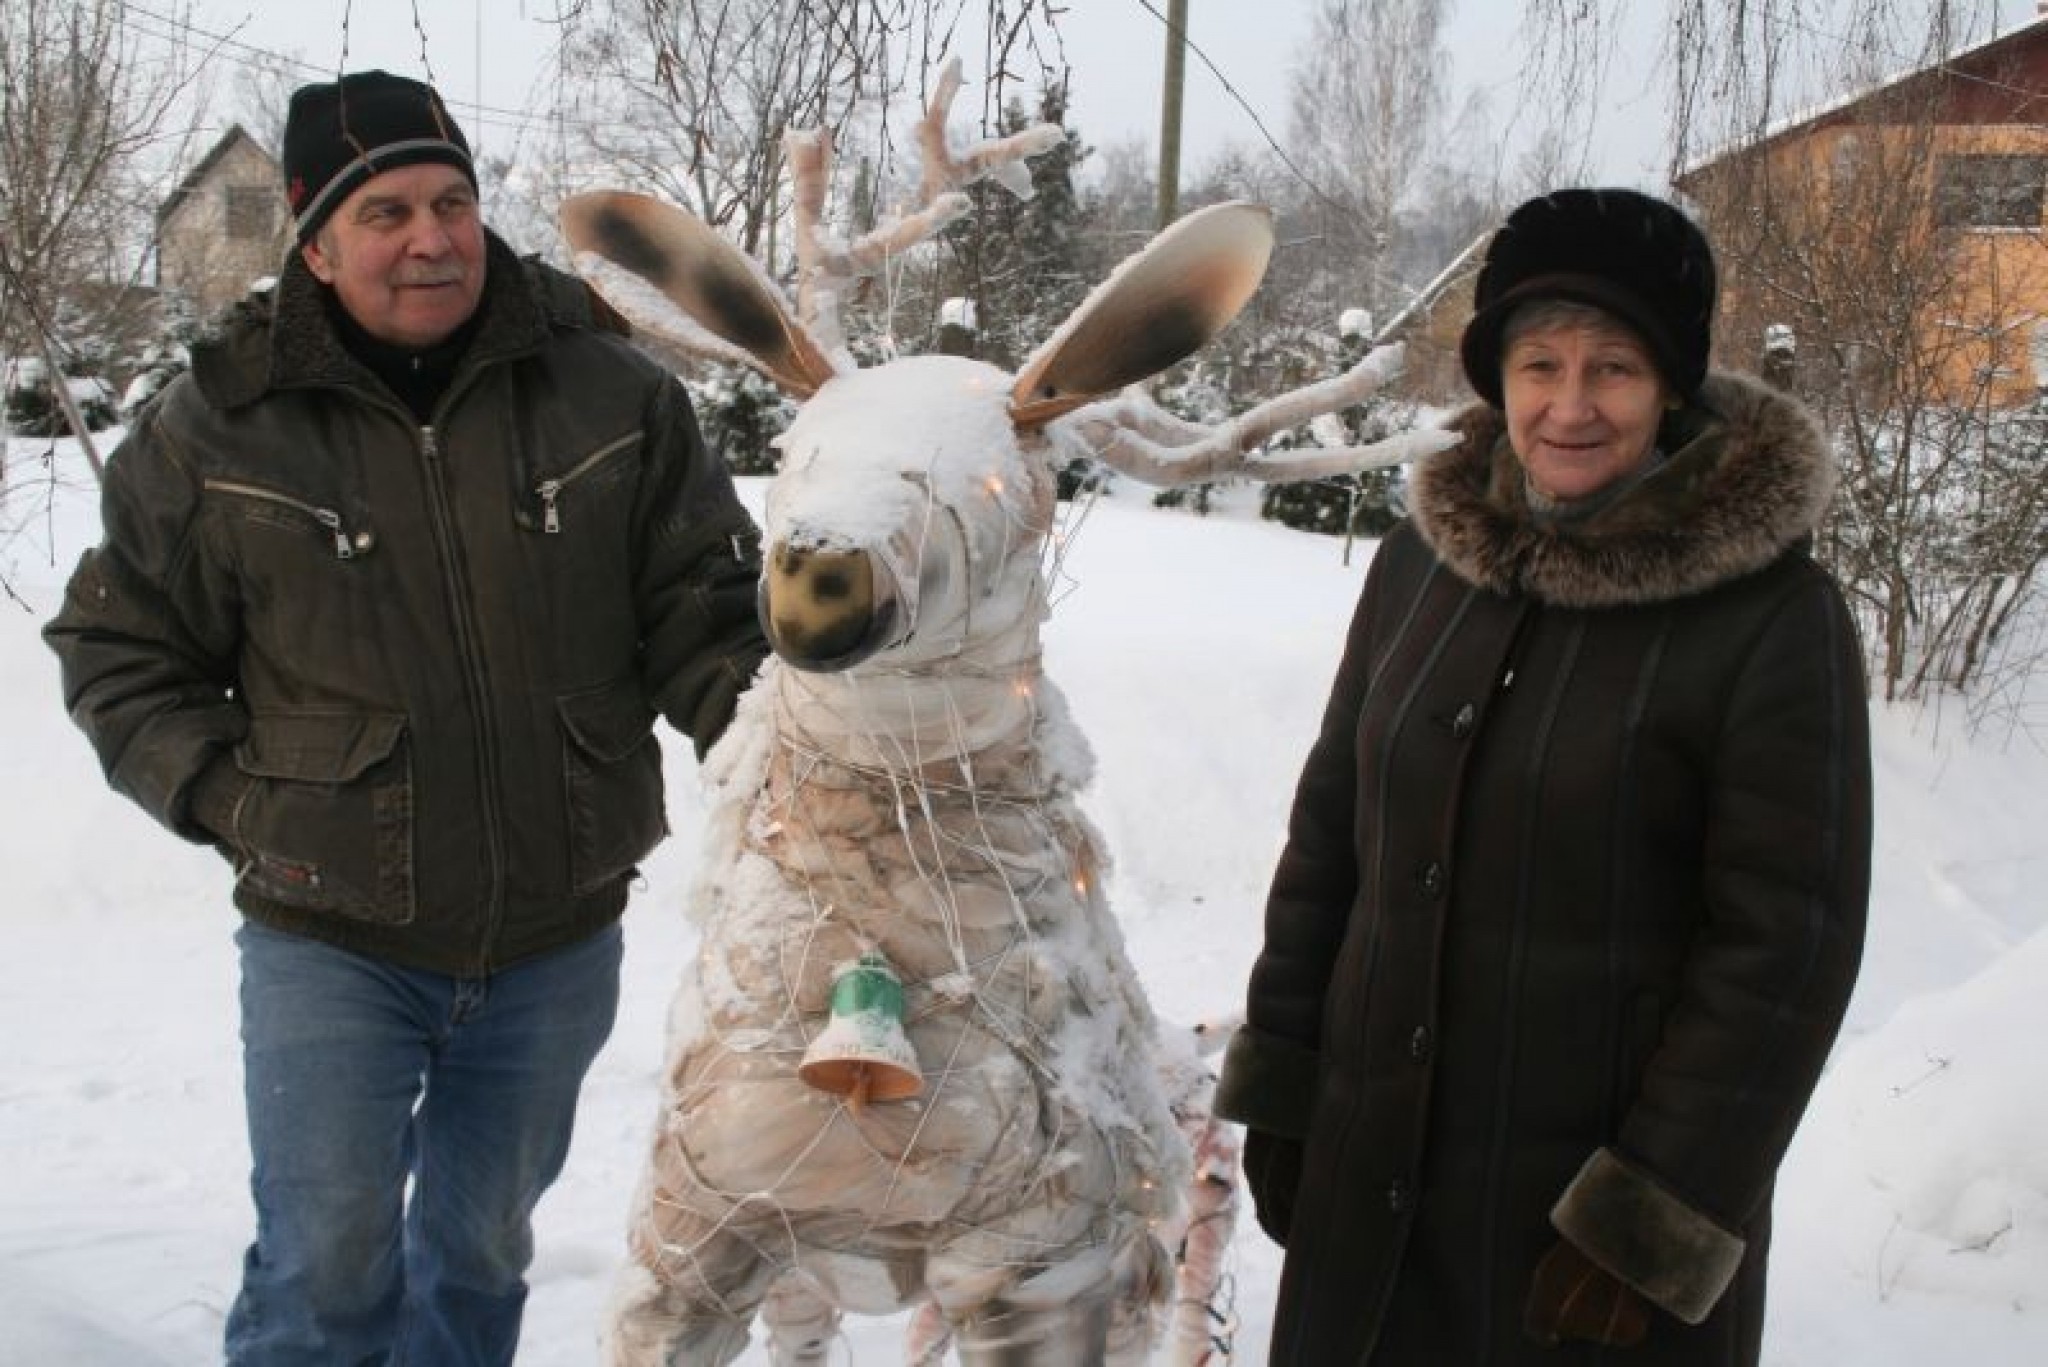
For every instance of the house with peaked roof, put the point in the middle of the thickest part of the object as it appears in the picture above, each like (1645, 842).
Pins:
(1900, 233)
(1430, 326)
(225, 226)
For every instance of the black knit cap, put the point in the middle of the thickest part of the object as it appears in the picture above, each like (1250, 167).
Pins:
(1630, 255)
(340, 133)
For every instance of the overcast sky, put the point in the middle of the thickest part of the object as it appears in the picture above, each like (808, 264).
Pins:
(494, 52)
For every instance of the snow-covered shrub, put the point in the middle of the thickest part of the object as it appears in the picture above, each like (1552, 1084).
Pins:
(1198, 392)
(160, 363)
(32, 408)
(1937, 533)
(1365, 504)
(165, 355)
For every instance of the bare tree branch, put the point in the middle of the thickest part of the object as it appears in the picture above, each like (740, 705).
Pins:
(81, 113)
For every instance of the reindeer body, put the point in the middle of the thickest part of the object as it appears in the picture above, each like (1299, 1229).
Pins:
(920, 804)
(901, 784)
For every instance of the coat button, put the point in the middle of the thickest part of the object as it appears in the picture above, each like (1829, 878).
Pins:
(1464, 721)
(1400, 1196)
(1421, 1044)
(1432, 879)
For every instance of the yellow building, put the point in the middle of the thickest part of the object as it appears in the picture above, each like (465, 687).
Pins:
(1899, 233)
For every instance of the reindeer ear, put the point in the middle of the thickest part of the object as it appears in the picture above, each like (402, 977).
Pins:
(724, 306)
(1160, 307)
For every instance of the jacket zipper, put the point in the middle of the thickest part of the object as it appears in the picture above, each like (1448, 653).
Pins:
(344, 549)
(550, 490)
(469, 649)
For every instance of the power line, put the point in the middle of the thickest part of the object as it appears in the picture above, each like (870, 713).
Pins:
(1379, 272)
(1244, 104)
(189, 37)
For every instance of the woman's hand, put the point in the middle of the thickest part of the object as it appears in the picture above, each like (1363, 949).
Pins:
(1573, 1297)
(1272, 1169)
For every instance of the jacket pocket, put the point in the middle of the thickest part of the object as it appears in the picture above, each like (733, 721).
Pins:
(586, 472)
(277, 508)
(328, 823)
(611, 771)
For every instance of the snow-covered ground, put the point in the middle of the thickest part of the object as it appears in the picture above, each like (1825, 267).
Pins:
(1912, 1216)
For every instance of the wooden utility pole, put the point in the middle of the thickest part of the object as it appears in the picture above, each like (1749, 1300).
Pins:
(1169, 111)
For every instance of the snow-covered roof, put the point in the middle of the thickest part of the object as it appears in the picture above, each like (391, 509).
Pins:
(1425, 299)
(193, 179)
(1954, 63)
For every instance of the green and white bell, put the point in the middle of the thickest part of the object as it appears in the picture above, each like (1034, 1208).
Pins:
(863, 1053)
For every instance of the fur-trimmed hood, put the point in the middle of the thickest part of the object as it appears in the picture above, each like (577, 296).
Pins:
(1751, 485)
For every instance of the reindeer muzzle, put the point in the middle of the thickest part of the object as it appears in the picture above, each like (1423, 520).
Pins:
(827, 610)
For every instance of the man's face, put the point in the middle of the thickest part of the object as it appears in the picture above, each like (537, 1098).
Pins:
(405, 254)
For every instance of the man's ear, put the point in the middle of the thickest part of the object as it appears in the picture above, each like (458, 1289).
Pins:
(317, 262)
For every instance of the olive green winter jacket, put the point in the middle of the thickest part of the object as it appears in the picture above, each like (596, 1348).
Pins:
(405, 676)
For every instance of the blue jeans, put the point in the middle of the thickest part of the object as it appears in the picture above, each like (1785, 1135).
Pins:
(361, 1076)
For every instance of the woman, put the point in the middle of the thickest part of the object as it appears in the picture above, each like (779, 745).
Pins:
(1573, 892)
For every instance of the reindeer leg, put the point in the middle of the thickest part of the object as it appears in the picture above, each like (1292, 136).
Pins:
(801, 1323)
(1144, 1277)
(929, 1337)
(1100, 1307)
(1013, 1333)
(650, 1324)
(687, 1293)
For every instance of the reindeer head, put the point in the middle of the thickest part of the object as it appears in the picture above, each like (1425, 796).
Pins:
(906, 522)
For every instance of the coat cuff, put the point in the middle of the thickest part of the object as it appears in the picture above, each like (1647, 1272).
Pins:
(1268, 1083)
(1635, 1228)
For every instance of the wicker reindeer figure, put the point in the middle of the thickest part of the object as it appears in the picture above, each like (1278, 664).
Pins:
(896, 840)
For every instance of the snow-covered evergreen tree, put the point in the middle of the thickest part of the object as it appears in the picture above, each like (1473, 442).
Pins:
(741, 413)
(1026, 263)
(1198, 391)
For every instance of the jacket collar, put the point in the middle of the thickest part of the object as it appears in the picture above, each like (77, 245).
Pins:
(283, 338)
(1753, 483)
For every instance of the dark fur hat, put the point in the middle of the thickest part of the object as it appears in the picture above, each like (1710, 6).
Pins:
(1625, 253)
(340, 133)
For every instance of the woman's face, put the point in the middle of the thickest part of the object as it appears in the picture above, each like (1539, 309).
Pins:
(1583, 402)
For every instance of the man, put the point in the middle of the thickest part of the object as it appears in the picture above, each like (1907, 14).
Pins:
(393, 584)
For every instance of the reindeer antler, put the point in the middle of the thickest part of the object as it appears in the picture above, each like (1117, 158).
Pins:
(1135, 436)
(827, 266)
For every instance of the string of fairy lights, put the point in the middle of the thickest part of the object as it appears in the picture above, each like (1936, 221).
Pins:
(916, 805)
(879, 802)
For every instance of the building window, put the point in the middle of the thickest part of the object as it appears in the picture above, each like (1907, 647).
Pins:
(252, 212)
(1984, 191)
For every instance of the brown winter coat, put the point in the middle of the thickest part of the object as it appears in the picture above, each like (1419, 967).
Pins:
(1571, 904)
(405, 676)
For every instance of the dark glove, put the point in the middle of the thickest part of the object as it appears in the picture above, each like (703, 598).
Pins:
(1572, 1297)
(1272, 1169)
